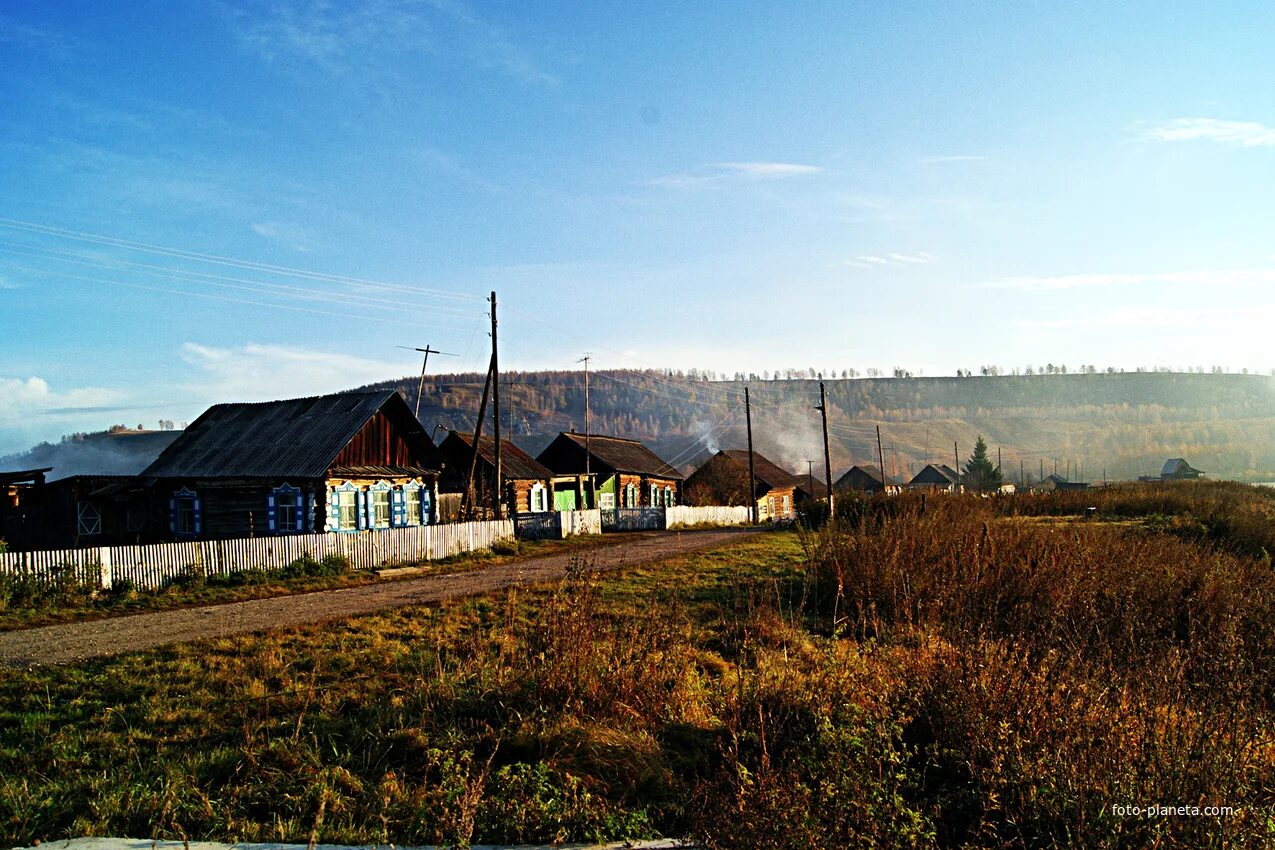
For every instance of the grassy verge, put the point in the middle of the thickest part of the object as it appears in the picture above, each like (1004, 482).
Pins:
(922, 675)
(26, 604)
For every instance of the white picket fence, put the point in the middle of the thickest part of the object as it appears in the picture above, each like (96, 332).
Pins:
(684, 515)
(150, 566)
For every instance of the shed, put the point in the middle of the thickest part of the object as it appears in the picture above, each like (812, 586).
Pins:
(936, 476)
(1177, 469)
(866, 479)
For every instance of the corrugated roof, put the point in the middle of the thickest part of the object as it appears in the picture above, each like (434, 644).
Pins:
(871, 471)
(939, 470)
(766, 473)
(380, 472)
(514, 462)
(296, 438)
(624, 455)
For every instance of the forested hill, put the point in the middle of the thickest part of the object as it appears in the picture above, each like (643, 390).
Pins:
(1124, 423)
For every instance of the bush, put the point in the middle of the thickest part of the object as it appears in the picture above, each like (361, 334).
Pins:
(508, 546)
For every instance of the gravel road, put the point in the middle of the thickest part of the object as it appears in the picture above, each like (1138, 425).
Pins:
(71, 642)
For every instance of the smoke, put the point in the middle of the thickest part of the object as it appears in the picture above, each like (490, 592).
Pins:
(789, 439)
(93, 454)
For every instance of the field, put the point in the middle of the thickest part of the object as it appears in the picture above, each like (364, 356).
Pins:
(955, 672)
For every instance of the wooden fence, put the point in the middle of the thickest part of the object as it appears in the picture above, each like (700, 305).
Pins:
(149, 567)
(685, 515)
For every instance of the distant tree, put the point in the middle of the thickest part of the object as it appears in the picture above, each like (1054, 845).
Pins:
(979, 473)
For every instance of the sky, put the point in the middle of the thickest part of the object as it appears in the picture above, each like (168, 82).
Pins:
(230, 200)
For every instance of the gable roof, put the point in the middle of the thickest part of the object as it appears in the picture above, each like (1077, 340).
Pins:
(766, 473)
(867, 470)
(624, 455)
(296, 438)
(934, 472)
(514, 462)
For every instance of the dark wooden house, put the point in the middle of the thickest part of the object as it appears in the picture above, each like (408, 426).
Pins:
(723, 480)
(527, 485)
(628, 474)
(866, 479)
(1057, 482)
(936, 476)
(343, 462)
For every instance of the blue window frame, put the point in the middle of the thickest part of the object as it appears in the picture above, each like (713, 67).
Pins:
(184, 513)
(285, 510)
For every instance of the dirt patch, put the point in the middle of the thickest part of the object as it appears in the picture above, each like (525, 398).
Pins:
(71, 642)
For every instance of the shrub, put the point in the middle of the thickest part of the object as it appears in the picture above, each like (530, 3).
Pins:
(507, 546)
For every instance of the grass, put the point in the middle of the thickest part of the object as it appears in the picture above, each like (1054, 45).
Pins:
(919, 674)
(26, 604)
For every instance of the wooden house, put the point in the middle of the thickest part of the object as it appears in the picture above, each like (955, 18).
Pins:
(1177, 469)
(342, 462)
(1057, 482)
(723, 480)
(866, 479)
(810, 488)
(19, 505)
(628, 474)
(936, 476)
(527, 485)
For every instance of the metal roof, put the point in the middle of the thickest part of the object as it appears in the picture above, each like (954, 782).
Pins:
(297, 438)
(766, 473)
(514, 462)
(623, 455)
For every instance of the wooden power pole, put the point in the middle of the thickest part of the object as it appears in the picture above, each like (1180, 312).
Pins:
(752, 480)
(497, 496)
(585, 361)
(881, 461)
(827, 458)
(467, 504)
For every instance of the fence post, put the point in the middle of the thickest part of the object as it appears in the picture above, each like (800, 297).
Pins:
(105, 580)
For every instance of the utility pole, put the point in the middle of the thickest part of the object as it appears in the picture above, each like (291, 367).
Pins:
(585, 361)
(468, 502)
(420, 386)
(1042, 470)
(810, 477)
(1022, 474)
(827, 458)
(956, 454)
(752, 480)
(497, 500)
(881, 461)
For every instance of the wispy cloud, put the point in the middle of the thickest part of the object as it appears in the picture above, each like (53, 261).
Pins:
(257, 372)
(726, 172)
(946, 158)
(342, 38)
(285, 234)
(1149, 317)
(871, 261)
(1248, 134)
(1094, 280)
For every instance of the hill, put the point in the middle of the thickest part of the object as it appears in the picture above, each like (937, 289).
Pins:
(1124, 423)
(119, 451)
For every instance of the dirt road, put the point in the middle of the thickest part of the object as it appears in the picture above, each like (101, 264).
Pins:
(70, 642)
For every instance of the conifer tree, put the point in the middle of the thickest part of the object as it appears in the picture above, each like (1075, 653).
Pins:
(979, 473)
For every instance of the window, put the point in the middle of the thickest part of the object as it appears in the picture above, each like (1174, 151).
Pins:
(185, 512)
(670, 497)
(412, 505)
(88, 519)
(606, 500)
(284, 509)
(536, 499)
(630, 495)
(381, 508)
(348, 510)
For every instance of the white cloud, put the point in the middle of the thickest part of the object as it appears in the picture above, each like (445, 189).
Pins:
(943, 159)
(263, 372)
(1246, 134)
(21, 399)
(724, 172)
(1205, 277)
(868, 261)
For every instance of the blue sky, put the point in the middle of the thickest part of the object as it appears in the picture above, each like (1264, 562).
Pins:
(212, 201)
